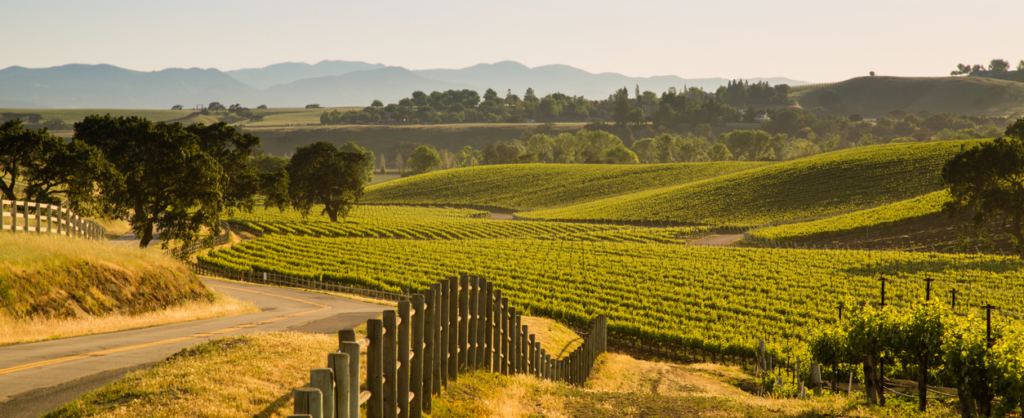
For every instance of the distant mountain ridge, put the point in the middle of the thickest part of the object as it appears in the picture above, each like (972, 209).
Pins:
(328, 83)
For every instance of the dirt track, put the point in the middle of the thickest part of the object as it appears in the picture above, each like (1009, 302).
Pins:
(717, 241)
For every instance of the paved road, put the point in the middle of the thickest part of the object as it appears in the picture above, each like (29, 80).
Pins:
(36, 378)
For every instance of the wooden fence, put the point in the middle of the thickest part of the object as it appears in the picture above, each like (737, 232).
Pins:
(18, 216)
(457, 325)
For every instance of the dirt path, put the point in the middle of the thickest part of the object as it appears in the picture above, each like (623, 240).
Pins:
(716, 241)
(500, 217)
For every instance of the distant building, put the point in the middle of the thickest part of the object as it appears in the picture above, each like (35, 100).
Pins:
(761, 117)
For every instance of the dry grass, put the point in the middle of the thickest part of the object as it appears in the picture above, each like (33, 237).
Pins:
(252, 375)
(554, 338)
(23, 331)
(114, 227)
(54, 277)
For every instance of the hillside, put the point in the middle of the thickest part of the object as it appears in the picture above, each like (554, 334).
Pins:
(807, 188)
(330, 83)
(877, 96)
(56, 287)
(107, 86)
(537, 186)
(879, 217)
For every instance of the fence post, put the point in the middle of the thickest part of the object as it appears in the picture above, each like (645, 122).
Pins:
(427, 374)
(453, 329)
(542, 371)
(538, 359)
(416, 368)
(49, 218)
(24, 214)
(816, 378)
(323, 379)
(497, 365)
(513, 343)
(39, 220)
(524, 348)
(309, 401)
(436, 352)
(488, 330)
(338, 363)
(471, 319)
(3, 215)
(375, 368)
(347, 344)
(444, 310)
(464, 320)
(533, 354)
(390, 362)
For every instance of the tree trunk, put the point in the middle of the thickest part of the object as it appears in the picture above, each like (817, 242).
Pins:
(1015, 229)
(147, 235)
(332, 212)
(869, 378)
(922, 383)
(966, 404)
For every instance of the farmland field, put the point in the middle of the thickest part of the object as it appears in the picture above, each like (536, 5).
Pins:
(879, 217)
(439, 224)
(808, 188)
(720, 300)
(538, 186)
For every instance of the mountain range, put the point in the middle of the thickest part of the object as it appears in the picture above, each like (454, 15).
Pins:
(328, 83)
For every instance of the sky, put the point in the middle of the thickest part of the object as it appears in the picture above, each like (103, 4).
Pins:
(815, 41)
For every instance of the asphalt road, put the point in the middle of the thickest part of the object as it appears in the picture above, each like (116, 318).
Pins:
(36, 378)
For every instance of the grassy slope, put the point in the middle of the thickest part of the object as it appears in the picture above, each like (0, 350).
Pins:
(57, 277)
(378, 138)
(878, 217)
(252, 375)
(536, 186)
(813, 187)
(877, 96)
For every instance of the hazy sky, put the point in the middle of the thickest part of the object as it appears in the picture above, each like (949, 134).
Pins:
(808, 40)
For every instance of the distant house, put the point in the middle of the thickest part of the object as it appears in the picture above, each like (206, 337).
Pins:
(761, 117)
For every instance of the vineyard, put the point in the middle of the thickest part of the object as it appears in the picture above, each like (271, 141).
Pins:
(441, 224)
(877, 217)
(717, 300)
(814, 187)
(536, 186)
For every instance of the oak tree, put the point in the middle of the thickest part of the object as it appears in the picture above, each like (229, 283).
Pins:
(320, 173)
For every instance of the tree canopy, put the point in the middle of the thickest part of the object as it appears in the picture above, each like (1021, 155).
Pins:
(162, 176)
(320, 173)
(987, 181)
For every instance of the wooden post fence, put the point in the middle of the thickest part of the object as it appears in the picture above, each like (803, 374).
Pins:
(24, 216)
(407, 348)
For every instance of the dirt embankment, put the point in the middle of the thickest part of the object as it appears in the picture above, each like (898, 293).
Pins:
(56, 277)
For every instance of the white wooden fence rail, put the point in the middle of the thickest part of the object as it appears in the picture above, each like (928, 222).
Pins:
(20, 216)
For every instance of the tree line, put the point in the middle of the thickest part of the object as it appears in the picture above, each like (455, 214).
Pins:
(997, 68)
(787, 134)
(174, 180)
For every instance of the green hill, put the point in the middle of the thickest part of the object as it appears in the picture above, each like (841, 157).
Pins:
(536, 186)
(823, 185)
(877, 96)
(877, 217)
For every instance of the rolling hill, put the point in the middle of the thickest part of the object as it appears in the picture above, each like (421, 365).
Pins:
(877, 96)
(78, 86)
(329, 83)
(537, 186)
(287, 72)
(808, 188)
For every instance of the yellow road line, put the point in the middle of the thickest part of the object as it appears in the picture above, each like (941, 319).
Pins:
(173, 340)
